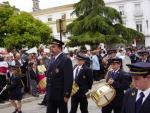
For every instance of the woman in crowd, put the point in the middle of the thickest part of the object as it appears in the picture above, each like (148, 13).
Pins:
(41, 76)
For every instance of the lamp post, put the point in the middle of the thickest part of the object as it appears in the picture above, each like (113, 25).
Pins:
(60, 28)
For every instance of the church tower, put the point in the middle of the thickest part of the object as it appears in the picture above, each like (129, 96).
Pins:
(36, 5)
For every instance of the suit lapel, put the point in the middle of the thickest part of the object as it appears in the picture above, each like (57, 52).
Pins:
(58, 60)
(133, 100)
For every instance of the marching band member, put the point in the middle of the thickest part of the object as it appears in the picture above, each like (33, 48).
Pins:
(84, 78)
(110, 54)
(59, 79)
(14, 88)
(120, 81)
(137, 99)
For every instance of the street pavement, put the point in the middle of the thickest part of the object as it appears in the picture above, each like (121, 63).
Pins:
(33, 107)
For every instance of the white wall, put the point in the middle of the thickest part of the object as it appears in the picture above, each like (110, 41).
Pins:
(129, 17)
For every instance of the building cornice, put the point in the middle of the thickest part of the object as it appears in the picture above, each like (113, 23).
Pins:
(121, 1)
(53, 10)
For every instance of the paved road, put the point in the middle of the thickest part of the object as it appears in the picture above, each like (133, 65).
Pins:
(32, 107)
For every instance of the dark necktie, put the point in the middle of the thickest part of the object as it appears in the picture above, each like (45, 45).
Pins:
(76, 73)
(52, 60)
(138, 103)
(113, 74)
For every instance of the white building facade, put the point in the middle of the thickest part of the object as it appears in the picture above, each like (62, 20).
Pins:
(135, 15)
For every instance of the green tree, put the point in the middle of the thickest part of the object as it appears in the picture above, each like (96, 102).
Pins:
(97, 23)
(21, 28)
(5, 13)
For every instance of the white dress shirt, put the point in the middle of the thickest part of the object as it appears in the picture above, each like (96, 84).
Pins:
(74, 71)
(146, 93)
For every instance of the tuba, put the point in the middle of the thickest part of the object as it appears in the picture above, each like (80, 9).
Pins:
(102, 93)
(75, 88)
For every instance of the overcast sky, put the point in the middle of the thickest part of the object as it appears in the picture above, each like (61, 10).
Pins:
(26, 5)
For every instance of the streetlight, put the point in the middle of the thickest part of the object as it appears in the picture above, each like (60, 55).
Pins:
(61, 26)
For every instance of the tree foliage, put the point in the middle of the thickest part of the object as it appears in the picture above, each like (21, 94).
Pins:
(97, 23)
(20, 28)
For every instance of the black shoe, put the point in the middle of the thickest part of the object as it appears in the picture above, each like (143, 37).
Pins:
(42, 104)
(19, 111)
(15, 111)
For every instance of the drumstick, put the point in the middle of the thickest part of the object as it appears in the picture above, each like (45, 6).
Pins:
(4, 88)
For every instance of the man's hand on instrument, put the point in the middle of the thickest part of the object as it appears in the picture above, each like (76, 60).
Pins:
(110, 81)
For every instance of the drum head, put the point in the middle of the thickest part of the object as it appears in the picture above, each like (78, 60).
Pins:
(106, 95)
(102, 94)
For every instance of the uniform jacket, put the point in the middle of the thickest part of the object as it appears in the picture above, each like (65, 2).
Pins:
(59, 78)
(84, 79)
(14, 86)
(121, 83)
(129, 102)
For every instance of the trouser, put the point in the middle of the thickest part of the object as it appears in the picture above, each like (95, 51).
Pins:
(33, 84)
(53, 105)
(96, 75)
(109, 108)
(75, 100)
(44, 101)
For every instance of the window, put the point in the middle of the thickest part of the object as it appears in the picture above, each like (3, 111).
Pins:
(139, 27)
(49, 18)
(137, 6)
(121, 9)
(63, 16)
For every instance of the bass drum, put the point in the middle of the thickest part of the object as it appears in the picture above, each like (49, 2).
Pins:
(102, 94)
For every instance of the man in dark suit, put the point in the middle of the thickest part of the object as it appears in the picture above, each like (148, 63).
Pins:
(120, 81)
(137, 99)
(59, 79)
(84, 78)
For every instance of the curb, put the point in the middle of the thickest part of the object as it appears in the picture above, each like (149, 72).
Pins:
(25, 100)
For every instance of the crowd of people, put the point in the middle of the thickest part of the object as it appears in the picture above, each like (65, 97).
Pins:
(53, 74)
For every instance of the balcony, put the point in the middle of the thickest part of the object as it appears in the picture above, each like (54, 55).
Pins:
(138, 13)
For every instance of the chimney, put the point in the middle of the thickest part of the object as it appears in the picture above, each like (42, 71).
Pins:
(36, 5)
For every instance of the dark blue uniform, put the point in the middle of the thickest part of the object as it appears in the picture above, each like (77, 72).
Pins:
(137, 100)
(59, 83)
(14, 88)
(129, 102)
(84, 80)
(121, 82)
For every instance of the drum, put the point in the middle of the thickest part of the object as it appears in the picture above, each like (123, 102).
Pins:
(102, 94)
